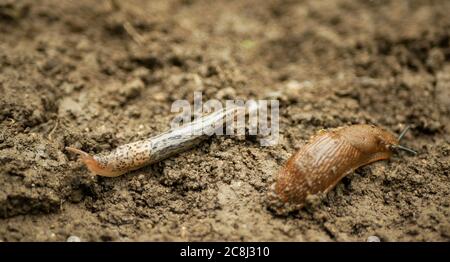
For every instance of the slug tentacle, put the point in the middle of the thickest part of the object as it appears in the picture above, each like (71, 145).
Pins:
(81, 153)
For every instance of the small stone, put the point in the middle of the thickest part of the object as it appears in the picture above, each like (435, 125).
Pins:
(73, 239)
(373, 239)
(159, 96)
(293, 84)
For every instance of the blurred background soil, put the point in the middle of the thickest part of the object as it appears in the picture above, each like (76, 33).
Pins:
(95, 75)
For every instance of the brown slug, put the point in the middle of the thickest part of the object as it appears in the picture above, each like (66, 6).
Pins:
(329, 156)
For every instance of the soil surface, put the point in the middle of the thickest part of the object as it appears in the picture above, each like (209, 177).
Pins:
(95, 75)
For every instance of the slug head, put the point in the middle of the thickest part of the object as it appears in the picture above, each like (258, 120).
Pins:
(369, 139)
(374, 141)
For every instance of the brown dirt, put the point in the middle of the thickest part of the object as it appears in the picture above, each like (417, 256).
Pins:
(71, 75)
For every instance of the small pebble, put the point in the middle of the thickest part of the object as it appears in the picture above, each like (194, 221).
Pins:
(73, 239)
(373, 239)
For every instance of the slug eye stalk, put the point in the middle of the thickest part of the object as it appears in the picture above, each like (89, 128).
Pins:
(402, 134)
(404, 148)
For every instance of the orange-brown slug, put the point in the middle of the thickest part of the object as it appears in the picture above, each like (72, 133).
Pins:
(329, 156)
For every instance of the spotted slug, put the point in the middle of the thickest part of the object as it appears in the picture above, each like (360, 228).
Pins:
(138, 154)
(331, 155)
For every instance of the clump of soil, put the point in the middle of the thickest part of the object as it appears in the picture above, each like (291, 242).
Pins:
(73, 74)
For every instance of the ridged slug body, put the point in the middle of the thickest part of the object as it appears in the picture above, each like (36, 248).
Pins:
(135, 155)
(329, 156)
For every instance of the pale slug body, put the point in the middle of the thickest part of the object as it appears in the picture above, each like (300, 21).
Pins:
(135, 155)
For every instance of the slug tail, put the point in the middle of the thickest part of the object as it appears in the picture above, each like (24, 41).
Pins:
(92, 164)
(79, 152)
